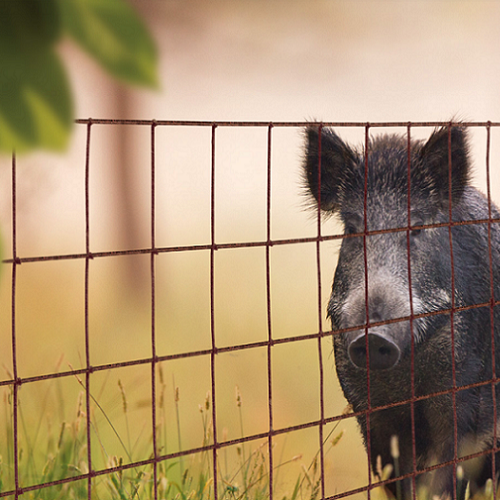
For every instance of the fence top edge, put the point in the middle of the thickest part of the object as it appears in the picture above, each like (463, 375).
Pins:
(217, 123)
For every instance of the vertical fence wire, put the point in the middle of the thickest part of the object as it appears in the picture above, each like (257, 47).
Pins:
(213, 351)
(452, 313)
(153, 311)
(15, 374)
(367, 311)
(269, 316)
(492, 309)
(88, 257)
(321, 388)
(412, 326)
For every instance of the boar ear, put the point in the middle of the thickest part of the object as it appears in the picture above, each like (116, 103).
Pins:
(336, 159)
(435, 156)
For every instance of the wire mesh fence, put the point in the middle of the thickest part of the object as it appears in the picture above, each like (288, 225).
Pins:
(215, 442)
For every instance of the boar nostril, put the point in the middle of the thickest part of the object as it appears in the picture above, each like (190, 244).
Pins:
(384, 353)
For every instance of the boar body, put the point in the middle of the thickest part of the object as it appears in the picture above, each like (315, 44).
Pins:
(411, 271)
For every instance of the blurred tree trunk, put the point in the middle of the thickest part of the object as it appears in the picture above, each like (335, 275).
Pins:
(131, 230)
(134, 227)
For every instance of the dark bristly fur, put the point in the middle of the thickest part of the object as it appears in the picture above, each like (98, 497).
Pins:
(388, 360)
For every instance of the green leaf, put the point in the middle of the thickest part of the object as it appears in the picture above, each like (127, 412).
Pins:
(36, 107)
(35, 102)
(29, 24)
(113, 34)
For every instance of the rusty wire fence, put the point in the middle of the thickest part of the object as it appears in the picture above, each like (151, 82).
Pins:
(217, 442)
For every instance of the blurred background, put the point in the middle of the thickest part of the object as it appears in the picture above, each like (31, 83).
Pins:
(331, 60)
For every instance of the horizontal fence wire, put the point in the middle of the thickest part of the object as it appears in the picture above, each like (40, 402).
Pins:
(244, 244)
(292, 124)
(212, 247)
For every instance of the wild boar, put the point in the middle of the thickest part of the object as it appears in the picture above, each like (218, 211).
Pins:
(425, 267)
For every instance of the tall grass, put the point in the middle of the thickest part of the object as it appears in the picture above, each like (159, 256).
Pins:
(63, 452)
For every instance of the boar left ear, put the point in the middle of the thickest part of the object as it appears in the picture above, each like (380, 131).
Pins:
(336, 160)
(435, 157)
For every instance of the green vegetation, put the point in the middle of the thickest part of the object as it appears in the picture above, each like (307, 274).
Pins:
(63, 451)
(36, 105)
(49, 453)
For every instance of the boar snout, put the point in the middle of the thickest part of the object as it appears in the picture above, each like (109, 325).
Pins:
(384, 353)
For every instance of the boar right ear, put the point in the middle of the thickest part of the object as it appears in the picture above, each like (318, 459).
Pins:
(435, 155)
(336, 159)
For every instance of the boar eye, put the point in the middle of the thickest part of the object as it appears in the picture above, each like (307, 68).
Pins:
(353, 224)
(350, 228)
(415, 232)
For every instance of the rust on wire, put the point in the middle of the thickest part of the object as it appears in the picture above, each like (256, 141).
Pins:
(412, 324)
(153, 313)
(320, 328)
(369, 409)
(492, 302)
(213, 350)
(16, 380)
(292, 124)
(243, 244)
(88, 257)
(452, 318)
(270, 342)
